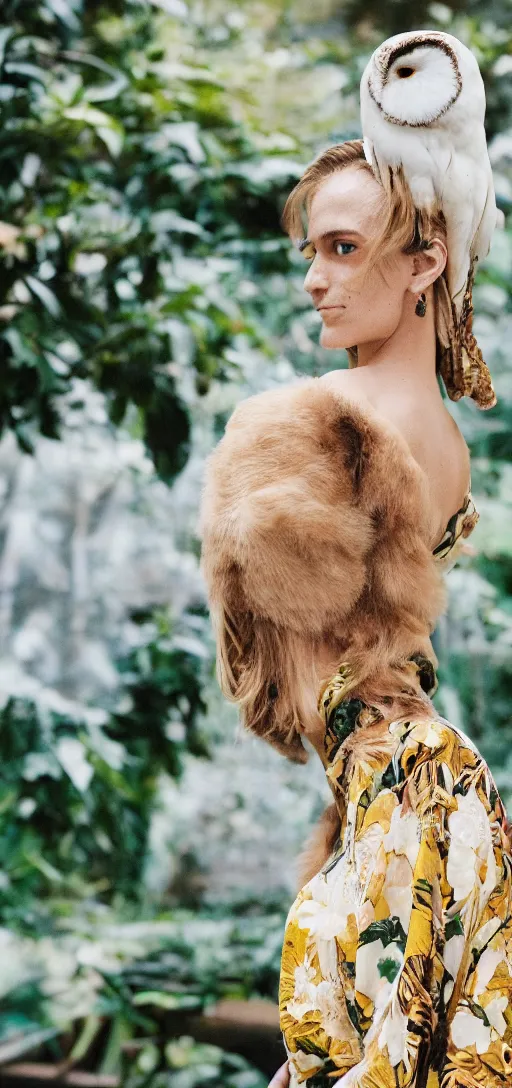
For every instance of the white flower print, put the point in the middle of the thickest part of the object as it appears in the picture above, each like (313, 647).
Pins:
(486, 933)
(469, 1030)
(304, 994)
(428, 733)
(394, 1032)
(303, 1063)
(328, 999)
(366, 915)
(369, 893)
(323, 915)
(367, 850)
(486, 967)
(402, 837)
(494, 1013)
(470, 844)
(369, 980)
(298, 1009)
(331, 1004)
(452, 954)
(397, 889)
(304, 974)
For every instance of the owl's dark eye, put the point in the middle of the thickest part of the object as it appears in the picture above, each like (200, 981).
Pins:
(404, 72)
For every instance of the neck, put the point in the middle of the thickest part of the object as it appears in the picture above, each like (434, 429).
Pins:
(409, 353)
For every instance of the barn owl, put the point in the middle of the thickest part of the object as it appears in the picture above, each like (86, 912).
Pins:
(423, 107)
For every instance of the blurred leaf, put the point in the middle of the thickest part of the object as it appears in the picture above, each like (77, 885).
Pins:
(11, 1050)
(44, 294)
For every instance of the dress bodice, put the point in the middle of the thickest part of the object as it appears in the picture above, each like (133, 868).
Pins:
(459, 527)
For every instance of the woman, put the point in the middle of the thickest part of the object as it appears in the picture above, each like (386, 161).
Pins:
(331, 509)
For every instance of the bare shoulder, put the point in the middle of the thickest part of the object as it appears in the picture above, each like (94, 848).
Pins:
(349, 384)
(342, 379)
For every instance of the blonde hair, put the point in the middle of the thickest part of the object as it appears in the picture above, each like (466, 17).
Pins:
(408, 229)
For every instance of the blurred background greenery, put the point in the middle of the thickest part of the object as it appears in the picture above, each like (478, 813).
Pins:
(146, 848)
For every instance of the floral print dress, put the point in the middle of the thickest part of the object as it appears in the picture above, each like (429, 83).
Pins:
(397, 955)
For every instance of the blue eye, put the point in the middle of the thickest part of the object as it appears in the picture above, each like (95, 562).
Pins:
(308, 250)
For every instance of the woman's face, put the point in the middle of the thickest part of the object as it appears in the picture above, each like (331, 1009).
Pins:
(345, 213)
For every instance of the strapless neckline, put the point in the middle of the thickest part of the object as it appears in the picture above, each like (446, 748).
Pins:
(459, 527)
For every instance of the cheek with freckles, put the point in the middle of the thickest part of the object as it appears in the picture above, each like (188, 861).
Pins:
(368, 316)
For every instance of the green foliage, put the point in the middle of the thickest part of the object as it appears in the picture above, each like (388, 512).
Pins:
(146, 152)
(119, 991)
(192, 1065)
(121, 172)
(77, 785)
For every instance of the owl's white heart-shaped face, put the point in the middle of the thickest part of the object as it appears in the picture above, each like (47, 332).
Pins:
(415, 84)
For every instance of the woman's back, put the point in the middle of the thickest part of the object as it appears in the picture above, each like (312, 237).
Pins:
(430, 431)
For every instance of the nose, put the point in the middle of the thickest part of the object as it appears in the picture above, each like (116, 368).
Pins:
(315, 280)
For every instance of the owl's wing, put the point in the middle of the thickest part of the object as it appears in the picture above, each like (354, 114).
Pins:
(459, 261)
(371, 158)
(370, 122)
(426, 160)
(467, 201)
(368, 150)
(483, 236)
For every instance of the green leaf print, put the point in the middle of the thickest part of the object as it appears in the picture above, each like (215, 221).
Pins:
(388, 930)
(391, 776)
(478, 1011)
(312, 1048)
(454, 927)
(318, 1079)
(353, 1012)
(388, 968)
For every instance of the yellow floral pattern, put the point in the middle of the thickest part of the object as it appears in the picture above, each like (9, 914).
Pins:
(397, 956)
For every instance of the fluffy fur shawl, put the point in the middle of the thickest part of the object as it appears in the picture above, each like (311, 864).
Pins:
(314, 537)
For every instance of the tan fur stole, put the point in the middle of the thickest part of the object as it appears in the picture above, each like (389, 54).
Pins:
(314, 534)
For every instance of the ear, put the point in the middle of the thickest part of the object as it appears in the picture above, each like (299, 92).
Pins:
(427, 266)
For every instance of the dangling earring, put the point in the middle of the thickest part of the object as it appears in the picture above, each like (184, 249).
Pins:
(421, 305)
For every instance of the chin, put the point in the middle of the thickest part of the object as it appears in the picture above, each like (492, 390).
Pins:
(334, 338)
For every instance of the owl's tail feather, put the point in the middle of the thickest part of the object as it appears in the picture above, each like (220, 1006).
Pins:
(475, 368)
(449, 355)
(460, 361)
